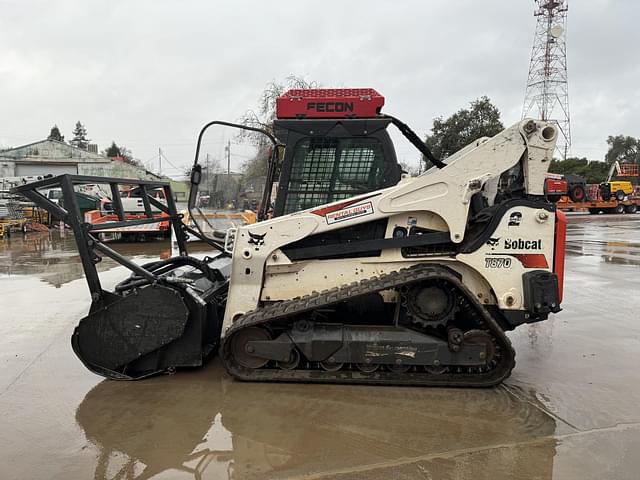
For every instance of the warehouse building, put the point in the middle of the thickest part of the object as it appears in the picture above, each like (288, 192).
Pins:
(57, 158)
(50, 157)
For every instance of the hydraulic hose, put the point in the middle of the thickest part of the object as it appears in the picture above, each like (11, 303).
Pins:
(415, 141)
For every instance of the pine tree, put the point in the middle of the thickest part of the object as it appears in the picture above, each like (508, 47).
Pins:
(55, 134)
(112, 151)
(120, 152)
(80, 139)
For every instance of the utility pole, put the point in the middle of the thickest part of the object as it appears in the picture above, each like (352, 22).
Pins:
(227, 149)
(206, 165)
(159, 161)
(547, 93)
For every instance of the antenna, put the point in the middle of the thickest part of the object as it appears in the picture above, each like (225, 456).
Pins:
(547, 92)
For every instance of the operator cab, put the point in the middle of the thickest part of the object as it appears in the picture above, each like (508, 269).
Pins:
(326, 145)
(336, 147)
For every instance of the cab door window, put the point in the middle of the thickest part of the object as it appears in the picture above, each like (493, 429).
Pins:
(328, 169)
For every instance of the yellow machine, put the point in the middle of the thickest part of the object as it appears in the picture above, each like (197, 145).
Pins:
(7, 226)
(620, 189)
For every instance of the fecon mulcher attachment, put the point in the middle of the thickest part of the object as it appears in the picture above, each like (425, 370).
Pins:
(356, 274)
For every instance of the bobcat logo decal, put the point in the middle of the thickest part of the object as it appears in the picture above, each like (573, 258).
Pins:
(256, 239)
(493, 242)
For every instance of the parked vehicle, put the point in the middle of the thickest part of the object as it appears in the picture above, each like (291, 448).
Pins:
(572, 186)
(617, 189)
(133, 200)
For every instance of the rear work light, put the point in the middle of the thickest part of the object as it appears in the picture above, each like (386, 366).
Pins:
(329, 103)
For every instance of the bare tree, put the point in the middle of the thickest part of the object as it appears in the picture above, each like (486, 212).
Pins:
(263, 118)
(266, 112)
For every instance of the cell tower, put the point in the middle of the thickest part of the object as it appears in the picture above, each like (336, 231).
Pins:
(547, 94)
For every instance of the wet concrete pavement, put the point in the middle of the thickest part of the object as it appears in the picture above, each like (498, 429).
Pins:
(571, 408)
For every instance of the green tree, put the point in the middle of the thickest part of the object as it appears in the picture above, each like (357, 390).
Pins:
(263, 118)
(448, 136)
(112, 151)
(80, 139)
(623, 149)
(120, 152)
(55, 134)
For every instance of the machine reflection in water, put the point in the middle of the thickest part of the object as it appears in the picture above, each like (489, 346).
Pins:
(203, 425)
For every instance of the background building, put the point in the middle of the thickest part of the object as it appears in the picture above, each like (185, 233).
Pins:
(57, 158)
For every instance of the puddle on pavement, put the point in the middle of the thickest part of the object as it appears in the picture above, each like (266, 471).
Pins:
(52, 256)
(610, 238)
(207, 424)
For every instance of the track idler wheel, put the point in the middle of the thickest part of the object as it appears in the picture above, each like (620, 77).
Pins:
(329, 366)
(480, 337)
(398, 368)
(367, 367)
(292, 363)
(243, 352)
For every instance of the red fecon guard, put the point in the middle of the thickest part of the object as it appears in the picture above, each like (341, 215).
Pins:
(330, 103)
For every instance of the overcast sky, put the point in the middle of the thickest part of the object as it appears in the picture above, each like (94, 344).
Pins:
(148, 74)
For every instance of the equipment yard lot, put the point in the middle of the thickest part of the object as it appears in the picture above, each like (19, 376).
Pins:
(571, 408)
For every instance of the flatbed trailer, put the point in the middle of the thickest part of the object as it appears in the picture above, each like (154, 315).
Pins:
(594, 203)
(630, 205)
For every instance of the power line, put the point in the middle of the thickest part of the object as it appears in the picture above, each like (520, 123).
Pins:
(170, 162)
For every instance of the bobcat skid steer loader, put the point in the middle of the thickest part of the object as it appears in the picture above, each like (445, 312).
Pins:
(357, 273)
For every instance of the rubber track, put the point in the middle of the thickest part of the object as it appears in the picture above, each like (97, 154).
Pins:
(417, 273)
